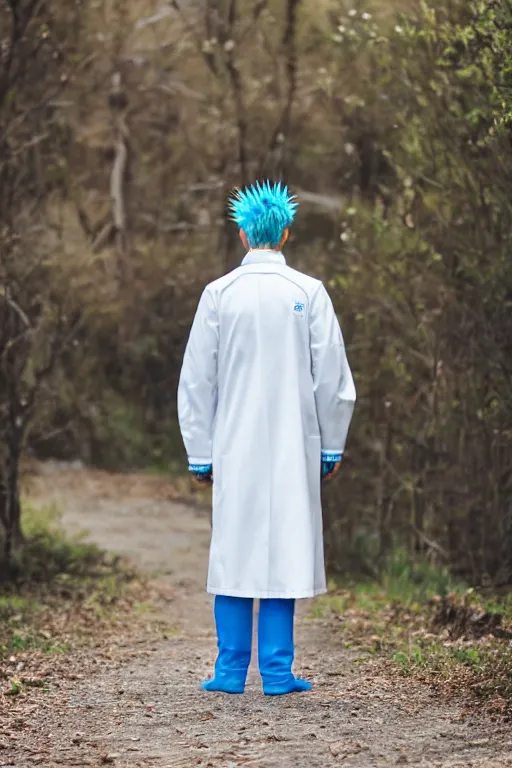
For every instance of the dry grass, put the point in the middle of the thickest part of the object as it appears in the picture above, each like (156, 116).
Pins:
(72, 608)
(457, 643)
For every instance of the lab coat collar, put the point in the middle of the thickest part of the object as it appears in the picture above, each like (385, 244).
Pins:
(263, 257)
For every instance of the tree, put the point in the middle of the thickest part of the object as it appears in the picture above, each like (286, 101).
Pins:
(430, 284)
(37, 317)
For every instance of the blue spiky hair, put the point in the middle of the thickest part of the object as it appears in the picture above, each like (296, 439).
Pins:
(263, 211)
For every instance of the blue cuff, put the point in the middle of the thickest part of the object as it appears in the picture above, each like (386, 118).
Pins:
(200, 469)
(331, 456)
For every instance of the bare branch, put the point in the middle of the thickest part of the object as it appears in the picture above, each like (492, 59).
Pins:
(15, 307)
(164, 13)
(117, 181)
(227, 38)
(207, 56)
(104, 237)
(278, 142)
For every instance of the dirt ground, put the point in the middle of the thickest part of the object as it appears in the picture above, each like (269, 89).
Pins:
(146, 708)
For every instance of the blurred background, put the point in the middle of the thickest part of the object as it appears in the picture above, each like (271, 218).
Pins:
(124, 124)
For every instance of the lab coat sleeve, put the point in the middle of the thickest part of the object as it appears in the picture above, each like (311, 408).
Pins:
(334, 388)
(197, 389)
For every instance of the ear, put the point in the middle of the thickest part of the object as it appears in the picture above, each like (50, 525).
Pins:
(285, 237)
(244, 240)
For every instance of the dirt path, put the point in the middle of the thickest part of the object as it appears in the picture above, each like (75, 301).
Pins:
(149, 710)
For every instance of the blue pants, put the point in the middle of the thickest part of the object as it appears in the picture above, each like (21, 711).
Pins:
(234, 621)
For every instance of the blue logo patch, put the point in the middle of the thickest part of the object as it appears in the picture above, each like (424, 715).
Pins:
(298, 308)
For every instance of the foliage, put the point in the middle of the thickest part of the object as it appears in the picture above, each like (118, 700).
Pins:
(52, 560)
(427, 290)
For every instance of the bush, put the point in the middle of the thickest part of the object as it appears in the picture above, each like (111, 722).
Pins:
(425, 293)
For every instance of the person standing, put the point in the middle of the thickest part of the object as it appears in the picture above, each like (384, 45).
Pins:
(265, 401)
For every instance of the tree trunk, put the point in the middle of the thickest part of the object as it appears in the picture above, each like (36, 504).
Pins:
(10, 509)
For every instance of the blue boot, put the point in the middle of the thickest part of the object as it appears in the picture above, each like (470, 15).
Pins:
(276, 649)
(233, 617)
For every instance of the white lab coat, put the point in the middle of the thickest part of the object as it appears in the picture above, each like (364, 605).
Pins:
(265, 386)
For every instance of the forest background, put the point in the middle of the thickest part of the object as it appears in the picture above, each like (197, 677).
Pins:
(123, 128)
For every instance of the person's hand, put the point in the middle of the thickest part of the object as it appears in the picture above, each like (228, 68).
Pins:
(202, 473)
(331, 462)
